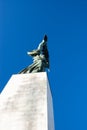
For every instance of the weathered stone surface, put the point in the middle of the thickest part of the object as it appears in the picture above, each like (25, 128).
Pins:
(26, 103)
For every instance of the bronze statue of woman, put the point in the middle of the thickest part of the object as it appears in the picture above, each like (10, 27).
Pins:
(40, 59)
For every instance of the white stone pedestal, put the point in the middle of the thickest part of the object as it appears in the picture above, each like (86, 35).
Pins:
(26, 103)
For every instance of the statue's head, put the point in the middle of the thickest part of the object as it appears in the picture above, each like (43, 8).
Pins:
(34, 53)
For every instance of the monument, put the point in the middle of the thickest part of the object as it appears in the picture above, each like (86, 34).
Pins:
(40, 58)
(26, 101)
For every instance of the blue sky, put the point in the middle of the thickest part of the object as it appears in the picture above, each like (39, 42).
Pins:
(23, 24)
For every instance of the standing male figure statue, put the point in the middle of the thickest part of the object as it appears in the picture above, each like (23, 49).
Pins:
(40, 58)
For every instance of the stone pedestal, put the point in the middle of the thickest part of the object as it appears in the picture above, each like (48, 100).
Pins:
(26, 103)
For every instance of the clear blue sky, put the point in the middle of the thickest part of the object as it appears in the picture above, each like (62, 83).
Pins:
(23, 24)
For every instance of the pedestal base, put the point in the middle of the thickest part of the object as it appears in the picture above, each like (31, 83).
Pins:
(26, 103)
